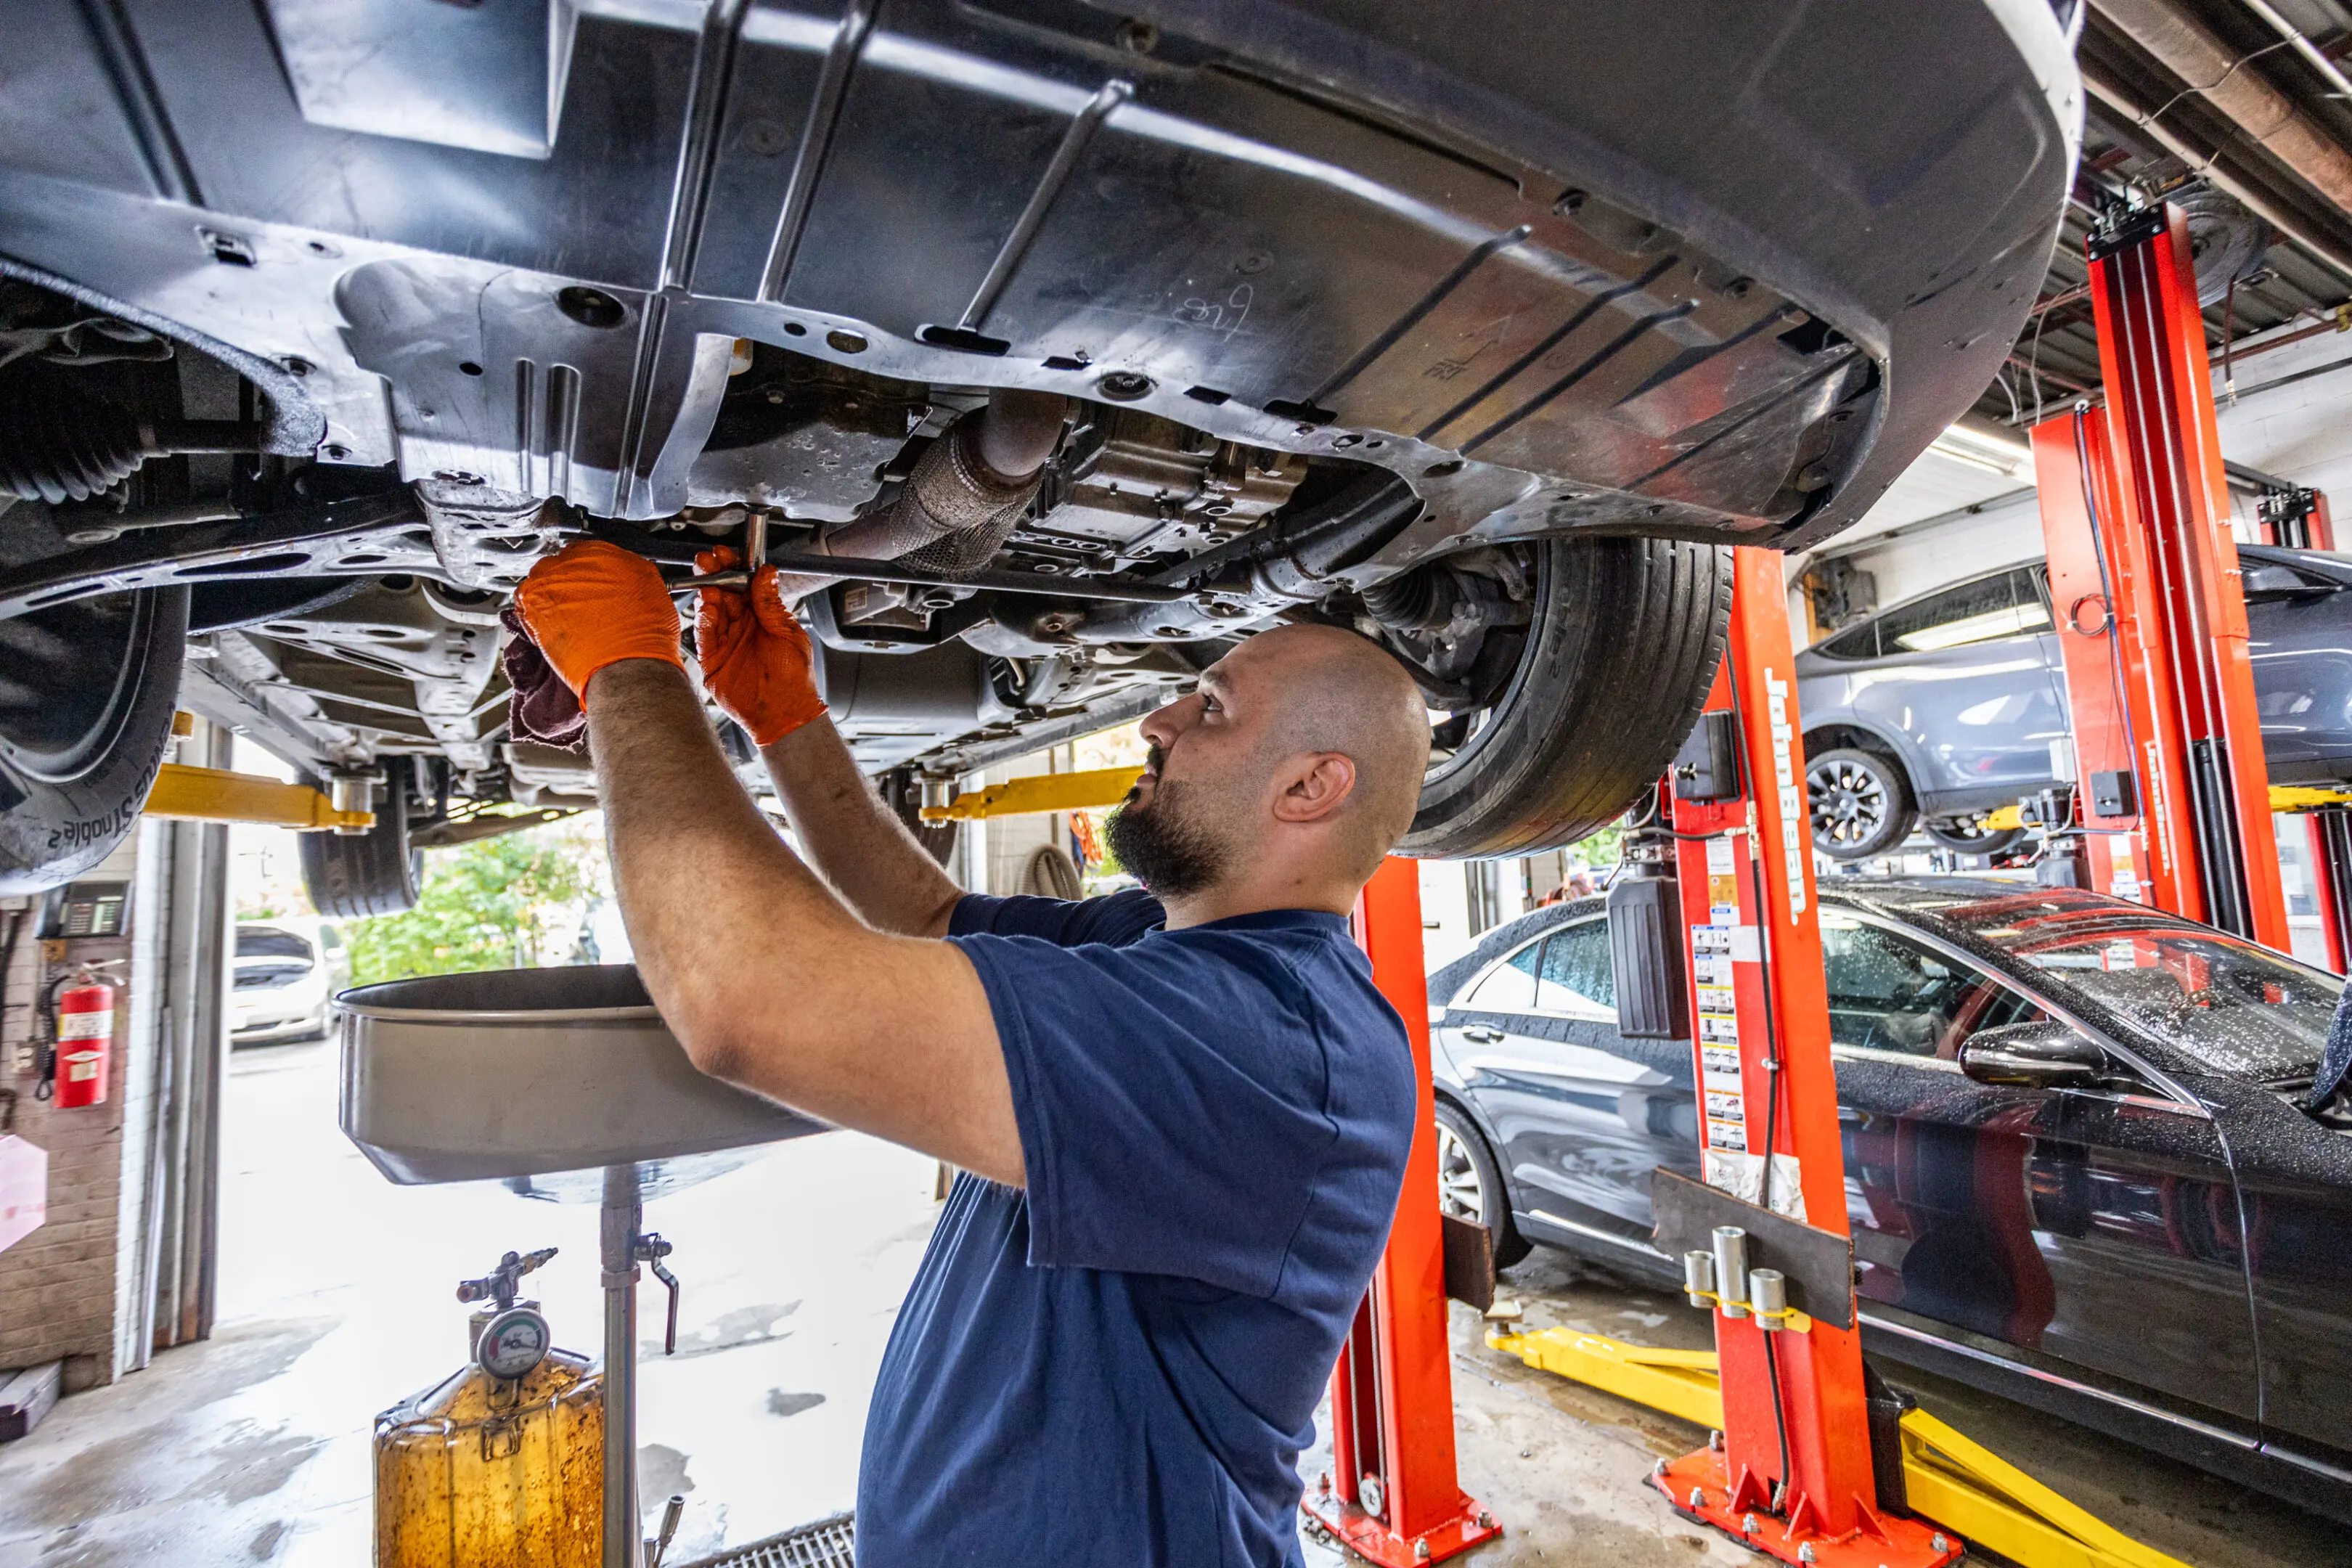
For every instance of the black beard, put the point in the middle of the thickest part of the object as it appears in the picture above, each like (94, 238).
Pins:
(1173, 857)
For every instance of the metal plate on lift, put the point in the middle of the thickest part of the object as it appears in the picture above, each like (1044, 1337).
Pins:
(516, 1074)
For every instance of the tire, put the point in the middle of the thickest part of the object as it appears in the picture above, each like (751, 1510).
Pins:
(1470, 1184)
(1861, 801)
(1960, 834)
(1625, 634)
(350, 877)
(87, 693)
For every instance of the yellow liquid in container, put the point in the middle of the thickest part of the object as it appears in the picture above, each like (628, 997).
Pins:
(482, 1473)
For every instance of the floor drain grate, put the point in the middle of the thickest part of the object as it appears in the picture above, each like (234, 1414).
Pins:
(827, 1543)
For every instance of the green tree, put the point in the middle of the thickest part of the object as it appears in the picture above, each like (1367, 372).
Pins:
(498, 903)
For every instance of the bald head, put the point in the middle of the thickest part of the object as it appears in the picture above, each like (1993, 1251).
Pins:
(1334, 691)
(1282, 781)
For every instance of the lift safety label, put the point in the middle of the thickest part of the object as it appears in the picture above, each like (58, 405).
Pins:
(1792, 801)
(1722, 882)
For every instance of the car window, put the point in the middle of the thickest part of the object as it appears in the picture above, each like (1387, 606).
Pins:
(2232, 1006)
(1511, 988)
(1888, 992)
(1985, 610)
(1576, 975)
(1861, 642)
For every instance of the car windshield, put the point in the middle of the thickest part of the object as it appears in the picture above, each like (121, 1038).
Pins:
(2233, 1006)
(267, 974)
(267, 941)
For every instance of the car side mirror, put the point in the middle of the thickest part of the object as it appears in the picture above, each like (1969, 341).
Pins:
(2274, 581)
(2045, 1054)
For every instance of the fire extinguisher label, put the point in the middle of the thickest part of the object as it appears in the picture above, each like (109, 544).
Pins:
(97, 1026)
(81, 1065)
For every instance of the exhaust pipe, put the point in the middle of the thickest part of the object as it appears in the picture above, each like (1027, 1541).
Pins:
(965, 497)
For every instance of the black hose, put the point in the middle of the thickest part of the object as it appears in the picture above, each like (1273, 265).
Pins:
(1772, 1091)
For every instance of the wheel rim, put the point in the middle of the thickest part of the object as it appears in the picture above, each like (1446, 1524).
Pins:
(69, 677)
(1460, 1193)
(1970, 828)
(1478, 723)
(1849, 802)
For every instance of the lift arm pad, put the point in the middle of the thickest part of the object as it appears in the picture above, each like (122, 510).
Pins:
(1819, 1263)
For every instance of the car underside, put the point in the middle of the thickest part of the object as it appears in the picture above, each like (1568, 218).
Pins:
(321, 321)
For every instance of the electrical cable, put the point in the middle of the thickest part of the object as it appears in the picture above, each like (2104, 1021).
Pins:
(2107, 591)
(1771, 1085)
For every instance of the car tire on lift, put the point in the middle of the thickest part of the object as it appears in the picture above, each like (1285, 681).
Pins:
(350, 876)
(1623, 642)
(87, 694)
(1954, 833)
(1456, 1133)
(1861, 803)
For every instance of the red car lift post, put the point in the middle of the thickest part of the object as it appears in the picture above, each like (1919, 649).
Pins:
(2173, 794)
(1761, 1045)
(1393, 1496)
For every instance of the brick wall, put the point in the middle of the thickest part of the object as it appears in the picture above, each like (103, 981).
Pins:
(60, 1294)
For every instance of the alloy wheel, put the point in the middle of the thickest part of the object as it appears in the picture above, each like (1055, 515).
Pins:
(1460, 1193)
(1848, 800)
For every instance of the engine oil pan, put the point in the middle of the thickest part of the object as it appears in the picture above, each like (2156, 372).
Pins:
(521, 1073)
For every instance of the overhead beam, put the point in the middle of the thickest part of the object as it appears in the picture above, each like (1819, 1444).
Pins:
(2208, 161)
(2184, 46)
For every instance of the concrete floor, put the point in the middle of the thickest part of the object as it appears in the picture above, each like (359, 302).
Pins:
(336, 1302)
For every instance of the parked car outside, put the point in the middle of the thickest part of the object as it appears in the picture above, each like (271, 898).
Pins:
(283, 980)
(1946, 706)
(2144, 1233)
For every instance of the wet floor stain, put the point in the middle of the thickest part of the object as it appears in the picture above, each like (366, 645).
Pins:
(729, 1331)
(661, 1476)
(783, 1404)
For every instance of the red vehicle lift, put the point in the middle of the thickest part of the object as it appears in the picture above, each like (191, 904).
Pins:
(1765, 1243)
(1393, 1496)
(2173, 797)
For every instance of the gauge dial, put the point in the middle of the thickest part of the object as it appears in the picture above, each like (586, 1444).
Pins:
(512, 1343)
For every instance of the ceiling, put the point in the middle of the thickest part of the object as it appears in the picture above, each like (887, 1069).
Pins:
(2209, 103)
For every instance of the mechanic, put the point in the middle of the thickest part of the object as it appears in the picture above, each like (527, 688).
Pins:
(1182, 1114)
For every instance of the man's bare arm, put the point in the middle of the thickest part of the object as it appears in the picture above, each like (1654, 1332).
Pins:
(859, 845)
(762, 973)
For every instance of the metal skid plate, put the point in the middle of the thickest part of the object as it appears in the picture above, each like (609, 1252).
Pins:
(514, 244)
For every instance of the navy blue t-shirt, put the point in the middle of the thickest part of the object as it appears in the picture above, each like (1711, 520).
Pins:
(1119, 1366)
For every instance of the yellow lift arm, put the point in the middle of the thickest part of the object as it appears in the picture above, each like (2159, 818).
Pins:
(1947, 1477)
(1041, 791)
(214, 795)
(2283, 797)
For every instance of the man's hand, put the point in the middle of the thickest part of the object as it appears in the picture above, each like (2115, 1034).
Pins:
(594, 604)
(756, 662)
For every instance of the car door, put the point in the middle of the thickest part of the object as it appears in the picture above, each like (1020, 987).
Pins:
(1964, 676)
(2299, 640)
(2097, 1227)
(1581, 1115)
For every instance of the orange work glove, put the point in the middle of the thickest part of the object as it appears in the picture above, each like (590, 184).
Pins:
(594, 604)
(756, 660)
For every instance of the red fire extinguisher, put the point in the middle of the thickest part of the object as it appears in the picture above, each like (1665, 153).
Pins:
(85, 1041)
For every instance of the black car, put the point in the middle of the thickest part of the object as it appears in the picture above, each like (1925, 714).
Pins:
(1946, 705)
(321, 323)
(2078, 1168)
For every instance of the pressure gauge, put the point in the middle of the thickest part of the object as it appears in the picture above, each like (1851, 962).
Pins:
(512, 1343)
